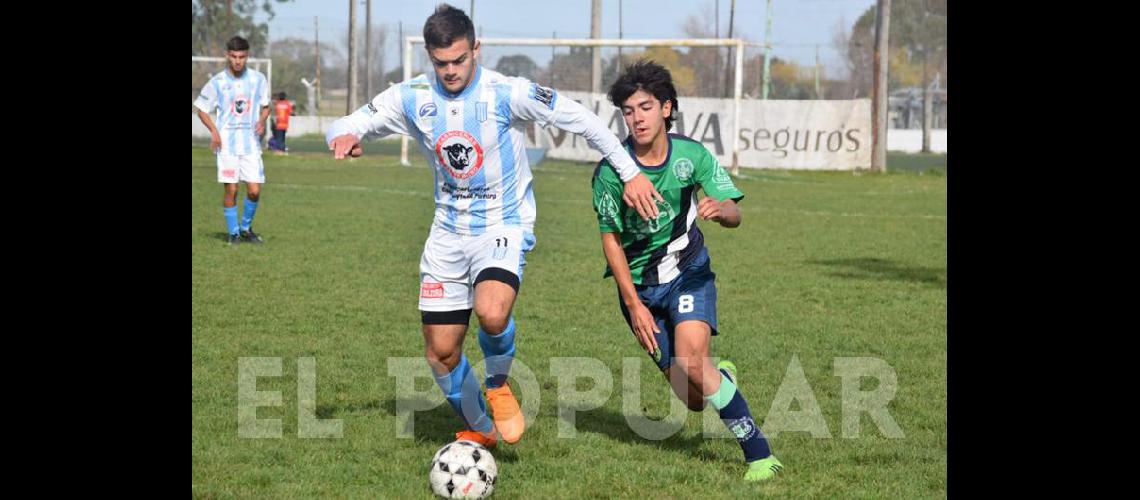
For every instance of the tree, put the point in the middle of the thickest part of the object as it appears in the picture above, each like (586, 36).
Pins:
(572, 70)
(684, 79)
(294, 58)
(214, 22)
(707, 63)
(518, 65)
(918, 40)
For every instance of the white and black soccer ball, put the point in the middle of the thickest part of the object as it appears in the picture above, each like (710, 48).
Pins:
(463, 469)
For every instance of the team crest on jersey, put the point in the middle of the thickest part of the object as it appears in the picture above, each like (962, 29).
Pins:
(642, 228)
(240, 104)
(460, 153)
(481, 111)
(683, 169)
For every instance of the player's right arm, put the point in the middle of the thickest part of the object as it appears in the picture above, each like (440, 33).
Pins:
(215, 137)
(383, 115)
(607, 190)
(206, 102)
(641, 319)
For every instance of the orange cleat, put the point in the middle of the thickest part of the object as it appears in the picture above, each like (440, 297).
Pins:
(488, 441)
(505, 411)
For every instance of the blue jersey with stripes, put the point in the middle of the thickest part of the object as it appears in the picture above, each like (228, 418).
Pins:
(237, 102)
(476, 143)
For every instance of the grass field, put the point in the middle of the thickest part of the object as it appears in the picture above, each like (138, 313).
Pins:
(824, 266)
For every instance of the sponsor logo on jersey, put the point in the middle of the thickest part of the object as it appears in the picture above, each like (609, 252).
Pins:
(431, 290)
(542, 94)
(721, 177)
(608, 208)
(460, 153)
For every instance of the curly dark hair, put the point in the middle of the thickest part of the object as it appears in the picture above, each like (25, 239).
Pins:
(648, 76)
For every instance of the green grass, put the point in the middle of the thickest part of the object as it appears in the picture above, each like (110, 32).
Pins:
(825, 265)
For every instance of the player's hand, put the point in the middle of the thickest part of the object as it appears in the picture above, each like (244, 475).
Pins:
(644, 326)
(640, 195)
(346, 144)
(709, 209)
(260, 128)
(215, 142)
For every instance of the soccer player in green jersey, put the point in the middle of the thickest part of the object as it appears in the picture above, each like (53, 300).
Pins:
(665, 283)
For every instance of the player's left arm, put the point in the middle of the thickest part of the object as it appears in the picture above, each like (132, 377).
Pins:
(544, 106)
(721, 195)
(263, 105)
(261, 119)
(725, 212)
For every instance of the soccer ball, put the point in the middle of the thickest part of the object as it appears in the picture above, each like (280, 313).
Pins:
(463, 469)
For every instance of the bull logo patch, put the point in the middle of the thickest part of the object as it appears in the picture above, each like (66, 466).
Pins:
(459, 153)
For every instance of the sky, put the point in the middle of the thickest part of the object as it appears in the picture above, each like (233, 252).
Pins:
(798, 26)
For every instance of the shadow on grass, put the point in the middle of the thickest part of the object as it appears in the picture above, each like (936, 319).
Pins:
(613, 424)
(870, 268)
(432, 428)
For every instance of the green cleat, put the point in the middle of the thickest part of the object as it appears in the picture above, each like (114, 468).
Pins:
(728, 367)
(763, 469)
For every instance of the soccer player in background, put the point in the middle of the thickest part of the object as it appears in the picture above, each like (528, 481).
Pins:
(282, 110)
(463, 117)
(665, 283)
(241, 98)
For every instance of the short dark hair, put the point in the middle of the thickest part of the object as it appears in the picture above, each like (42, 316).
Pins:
(650, 77)
(281, 95)
(447, 25)
(237, 43)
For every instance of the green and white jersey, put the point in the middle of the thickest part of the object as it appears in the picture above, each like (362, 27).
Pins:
(657, 250)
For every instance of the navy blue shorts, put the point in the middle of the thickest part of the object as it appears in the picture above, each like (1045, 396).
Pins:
(690, 296)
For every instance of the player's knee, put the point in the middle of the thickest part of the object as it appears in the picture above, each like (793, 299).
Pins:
(253, 194)
(442, 357)
(692, 398)
(494, 319)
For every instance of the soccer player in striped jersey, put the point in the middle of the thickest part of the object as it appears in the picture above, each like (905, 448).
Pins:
(241, 97)
(665, 283)
(465, 118)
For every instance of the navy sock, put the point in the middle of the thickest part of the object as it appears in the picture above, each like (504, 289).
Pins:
(737, 417)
